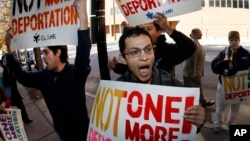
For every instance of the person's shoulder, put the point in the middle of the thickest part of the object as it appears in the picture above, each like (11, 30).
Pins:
(243, 49)
(168, 79)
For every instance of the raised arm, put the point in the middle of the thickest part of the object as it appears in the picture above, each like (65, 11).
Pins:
(175, 53)
(82, 61)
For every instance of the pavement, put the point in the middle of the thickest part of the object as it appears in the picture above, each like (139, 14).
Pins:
(41, 129)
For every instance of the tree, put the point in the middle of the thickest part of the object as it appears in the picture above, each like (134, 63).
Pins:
(4, 21)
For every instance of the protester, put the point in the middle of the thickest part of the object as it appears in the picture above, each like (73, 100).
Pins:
(137, 51)
(167, 55)
(193, 69)
(63, 84)
(230, 60)
(15, 97)
(5, 102)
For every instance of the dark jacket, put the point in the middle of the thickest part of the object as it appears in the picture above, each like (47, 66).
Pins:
(159, 77)
(168, 55)
(65, 95)
(241, 59)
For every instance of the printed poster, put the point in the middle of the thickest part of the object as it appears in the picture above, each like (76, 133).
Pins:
(236, 88)
(142, 11)
(125, 111)
(39, 23)
(11, 125)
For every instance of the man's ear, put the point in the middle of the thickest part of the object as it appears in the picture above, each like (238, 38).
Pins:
(58, 53)
(122, 59)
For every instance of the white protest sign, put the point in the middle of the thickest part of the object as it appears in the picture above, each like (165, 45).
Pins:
(42, 23)
(142, 11)
(132, 111)
(11, 125)
(236, 88)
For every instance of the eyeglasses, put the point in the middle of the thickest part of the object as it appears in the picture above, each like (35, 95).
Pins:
(136, 52)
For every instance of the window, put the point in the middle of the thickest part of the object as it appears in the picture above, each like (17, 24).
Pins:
(211, 3)
(235, 4)
(203, 3)
(229, 3)
(223, 3)
(246, 4)
(217, 3)
(240, 4)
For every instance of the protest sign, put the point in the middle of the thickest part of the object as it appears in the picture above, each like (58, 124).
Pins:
(236, 88)
(133, 111)
(11, 125)
(42, 23)
(142, 11)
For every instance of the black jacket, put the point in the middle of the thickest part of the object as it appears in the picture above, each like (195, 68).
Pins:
(64, 96)
(241, 61)
(168, 55)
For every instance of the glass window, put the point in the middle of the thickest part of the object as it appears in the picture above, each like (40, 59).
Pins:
(229, 3)
(235, 4)
(246, 4)
(203, 3)
(223, 3)
(217, 3)
(211, 3)
(240, 3)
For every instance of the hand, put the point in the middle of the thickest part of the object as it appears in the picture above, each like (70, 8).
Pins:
(8, 38)
(195, 114)
(162, 20)
(112, 63)
(81, 10)
(2, 106)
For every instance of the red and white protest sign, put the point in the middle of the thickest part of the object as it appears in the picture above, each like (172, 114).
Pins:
(142, 11)
(133, 111)
(11, 125)
(236, 88)
(42, 23)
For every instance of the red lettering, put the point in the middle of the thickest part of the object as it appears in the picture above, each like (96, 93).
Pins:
(143, 132)
(137, 112)
(147, 132)
(187, 126)
(95, 136)
(156, 111)
(132, 7)
(170, 109)
(171, 133)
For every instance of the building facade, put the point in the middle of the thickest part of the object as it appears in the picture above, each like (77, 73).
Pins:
(215, 19)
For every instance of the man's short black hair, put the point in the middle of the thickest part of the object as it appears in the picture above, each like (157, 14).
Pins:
(131, 32)
(64, 52)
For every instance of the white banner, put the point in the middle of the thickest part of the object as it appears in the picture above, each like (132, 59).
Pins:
(11, 125)
(236, 88)
(38, 23)
(142, 11)
(132, 111)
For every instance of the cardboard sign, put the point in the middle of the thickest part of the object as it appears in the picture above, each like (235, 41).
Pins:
(142, 11)
(11, 125)
(132, 111)
(236, 88)
(42, 23)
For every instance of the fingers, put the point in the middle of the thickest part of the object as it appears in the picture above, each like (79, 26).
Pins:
(112, 63)
(195, 115)
(159, 15)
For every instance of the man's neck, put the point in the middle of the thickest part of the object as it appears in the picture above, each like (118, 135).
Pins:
(60, 67)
